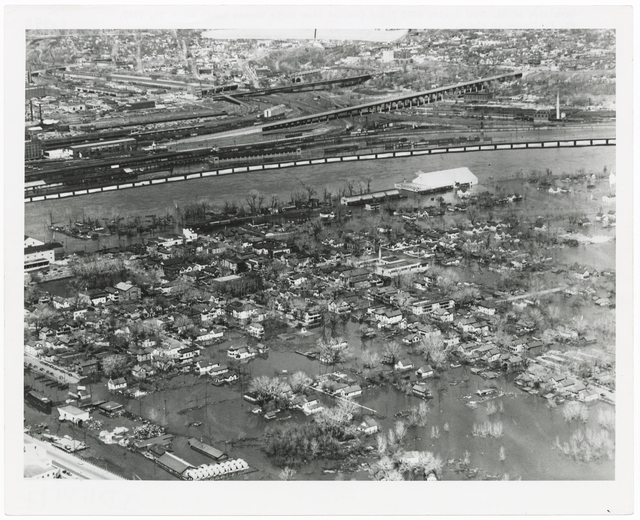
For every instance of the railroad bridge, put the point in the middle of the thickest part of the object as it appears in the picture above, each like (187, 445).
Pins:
(395, 103)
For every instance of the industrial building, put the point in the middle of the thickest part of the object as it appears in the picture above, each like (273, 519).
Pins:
(367, 198)
(40, 256)
(439, 181)
(32, 150)
(37, 462)
(278, 110)
(101, 147)
(35, 91)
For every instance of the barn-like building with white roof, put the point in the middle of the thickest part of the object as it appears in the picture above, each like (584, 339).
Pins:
(439, 180)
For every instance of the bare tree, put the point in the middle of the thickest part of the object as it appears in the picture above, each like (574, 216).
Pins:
(368, 181)
(350, 186)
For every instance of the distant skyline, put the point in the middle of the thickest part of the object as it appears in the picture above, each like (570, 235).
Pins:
(371, 35)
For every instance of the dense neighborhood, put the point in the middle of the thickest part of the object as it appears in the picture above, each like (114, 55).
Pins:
(386, 295)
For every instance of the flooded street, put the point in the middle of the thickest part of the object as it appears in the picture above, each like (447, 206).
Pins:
(530, 424)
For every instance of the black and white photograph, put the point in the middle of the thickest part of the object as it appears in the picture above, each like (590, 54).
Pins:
(274, 252)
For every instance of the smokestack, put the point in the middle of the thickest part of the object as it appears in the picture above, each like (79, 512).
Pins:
(558, 106)
(40, 107)
(31, 108)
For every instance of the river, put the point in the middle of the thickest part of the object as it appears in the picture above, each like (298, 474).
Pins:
(162, 199)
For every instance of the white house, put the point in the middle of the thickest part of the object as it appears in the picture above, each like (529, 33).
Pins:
(312, 407)
(425, 371)
(442, 315)
(206, 366)
(486, 307)
(368, 426)
(403, 364)
(350, 391)
(118, 384)
(240, 353)
(256, 330)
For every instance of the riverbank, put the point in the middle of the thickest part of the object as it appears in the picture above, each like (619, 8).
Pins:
(498, 165)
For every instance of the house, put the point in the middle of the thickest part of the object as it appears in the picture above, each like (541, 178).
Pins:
(442, 315)
(142, 371)
(424, 306)
(516, 348)
(389, 317)
(310, 318)
(487, 307)
(79, 313)
(187, 355)
(575, 387)
(312, 407)
(60, 303)
(206, 366)
(492, 355)
(451, 340)
(98, 297)
(425, 371)
(206, 337)
(218, 370)
(240, 353)
(118, 384)
(424, 330)
(421, 390)
(411, 339)
(339, 306)
(468, 325)
(588, 396)
(350, 391)
(403, 364)
(242, 311)
(112, 294)
(89, 367)
(211, 314)
(33, 348)
(128, 292)
(513, 364)
(298, 279)
(368, 426)
(256, 330)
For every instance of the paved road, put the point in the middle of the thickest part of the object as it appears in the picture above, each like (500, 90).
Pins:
(51, 372)
(72, 463)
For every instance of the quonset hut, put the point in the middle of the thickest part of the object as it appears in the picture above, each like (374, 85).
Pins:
(442, 180)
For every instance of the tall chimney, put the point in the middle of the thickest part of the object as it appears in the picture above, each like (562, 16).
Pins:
(558, 106)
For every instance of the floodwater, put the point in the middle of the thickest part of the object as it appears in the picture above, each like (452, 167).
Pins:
(162, 199)
(530, 425)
